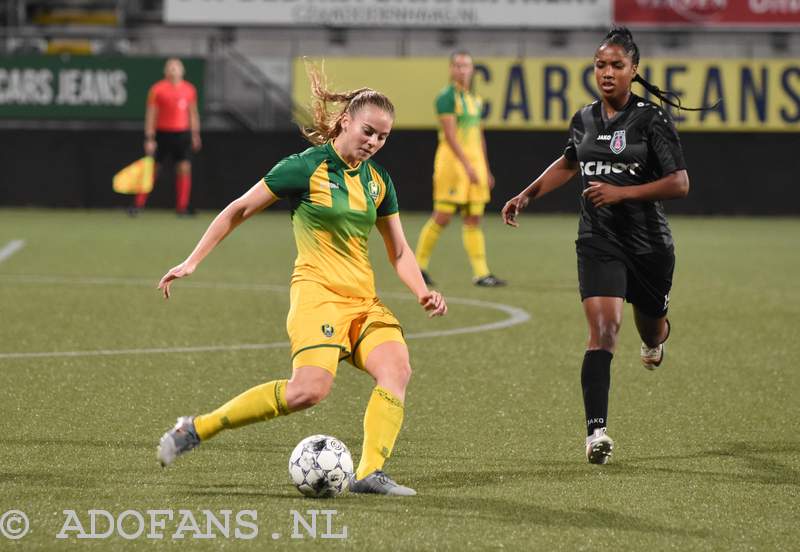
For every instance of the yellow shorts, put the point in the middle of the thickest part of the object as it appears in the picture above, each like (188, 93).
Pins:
(451, 183)
(325, 328)
(466, 210)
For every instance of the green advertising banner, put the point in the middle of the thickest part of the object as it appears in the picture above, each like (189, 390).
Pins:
(83, 87)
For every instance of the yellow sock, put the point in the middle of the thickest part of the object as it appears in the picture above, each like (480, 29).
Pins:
(382, 422)
(476, 249)
(427, 241)
(262, 402)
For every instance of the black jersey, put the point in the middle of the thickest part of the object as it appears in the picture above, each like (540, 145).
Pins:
(637, 146)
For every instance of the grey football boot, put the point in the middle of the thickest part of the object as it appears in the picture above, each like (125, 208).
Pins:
(379, 483)
(177, 441)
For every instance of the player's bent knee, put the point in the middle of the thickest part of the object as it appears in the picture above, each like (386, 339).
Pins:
(317, 393)
(442, 219)
(309, 395)
(400, 373)
(405, 371)
(606, 335)
(395, 377)
(388, 363)
(309, 386)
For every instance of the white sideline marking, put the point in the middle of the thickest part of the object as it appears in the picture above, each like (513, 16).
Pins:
(111, 281)
(515, 316)
(10, 248)
(113, 352)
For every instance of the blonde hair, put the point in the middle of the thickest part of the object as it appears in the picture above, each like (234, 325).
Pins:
(326, 122)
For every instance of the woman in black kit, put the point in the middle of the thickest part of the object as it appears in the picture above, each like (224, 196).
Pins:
(630, 159)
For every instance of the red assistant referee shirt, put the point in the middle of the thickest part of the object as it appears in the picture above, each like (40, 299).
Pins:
(172, 101)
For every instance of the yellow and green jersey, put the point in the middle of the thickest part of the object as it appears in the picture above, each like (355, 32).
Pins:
(334, 207)
(451, 184)
(467, 107)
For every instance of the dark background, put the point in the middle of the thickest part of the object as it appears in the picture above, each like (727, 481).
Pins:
(731, 173)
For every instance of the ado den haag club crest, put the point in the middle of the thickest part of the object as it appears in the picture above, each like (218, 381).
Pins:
(618, 142)
(327, 330)
(373, 190)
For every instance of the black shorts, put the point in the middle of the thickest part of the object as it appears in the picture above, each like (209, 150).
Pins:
(177, 145)
(605, 270)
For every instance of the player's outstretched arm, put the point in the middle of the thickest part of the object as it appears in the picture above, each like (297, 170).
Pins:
(554, 176)
(254, 200)
(405, 264)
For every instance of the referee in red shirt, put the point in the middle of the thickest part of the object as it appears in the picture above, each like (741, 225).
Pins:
(172, 129)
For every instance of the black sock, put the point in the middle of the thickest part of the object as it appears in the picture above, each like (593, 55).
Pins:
(596, 380)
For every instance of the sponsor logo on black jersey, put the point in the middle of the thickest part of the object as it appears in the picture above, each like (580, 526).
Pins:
(596, 168)
(618, 142)
(603, 137)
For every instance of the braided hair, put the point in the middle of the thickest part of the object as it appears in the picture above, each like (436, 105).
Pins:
(622, 37)
(326, 124)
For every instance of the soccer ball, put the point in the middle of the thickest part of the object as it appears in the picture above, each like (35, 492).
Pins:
(320, 466)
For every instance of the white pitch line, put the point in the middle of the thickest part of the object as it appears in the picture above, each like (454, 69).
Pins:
(10, 248)
(115, 352)
(515, 316)
(151, 282)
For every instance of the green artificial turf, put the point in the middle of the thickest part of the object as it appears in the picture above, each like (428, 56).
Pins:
(707, 452)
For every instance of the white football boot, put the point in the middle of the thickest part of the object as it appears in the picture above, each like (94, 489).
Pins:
(179, 440)
(599, 446)
(653, 356)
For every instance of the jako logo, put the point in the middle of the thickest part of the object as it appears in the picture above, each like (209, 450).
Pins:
(603, 137)
(595, 168)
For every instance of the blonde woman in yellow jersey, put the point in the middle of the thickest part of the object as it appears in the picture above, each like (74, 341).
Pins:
(337, 194)
(462, 180)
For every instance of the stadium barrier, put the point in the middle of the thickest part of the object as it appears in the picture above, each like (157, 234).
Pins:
(731, 173)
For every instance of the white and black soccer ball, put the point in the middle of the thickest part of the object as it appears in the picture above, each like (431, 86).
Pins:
(320, 466)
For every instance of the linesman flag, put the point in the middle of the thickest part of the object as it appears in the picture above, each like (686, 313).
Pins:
(136, 178)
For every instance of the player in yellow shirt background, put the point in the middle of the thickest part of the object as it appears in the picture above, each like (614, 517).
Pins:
(462, 180)
(337, 194)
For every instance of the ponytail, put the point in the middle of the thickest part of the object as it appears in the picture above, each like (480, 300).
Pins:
(622, 37)
(326, 124)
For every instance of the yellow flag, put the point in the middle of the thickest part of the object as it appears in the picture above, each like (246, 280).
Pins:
(136, 178)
